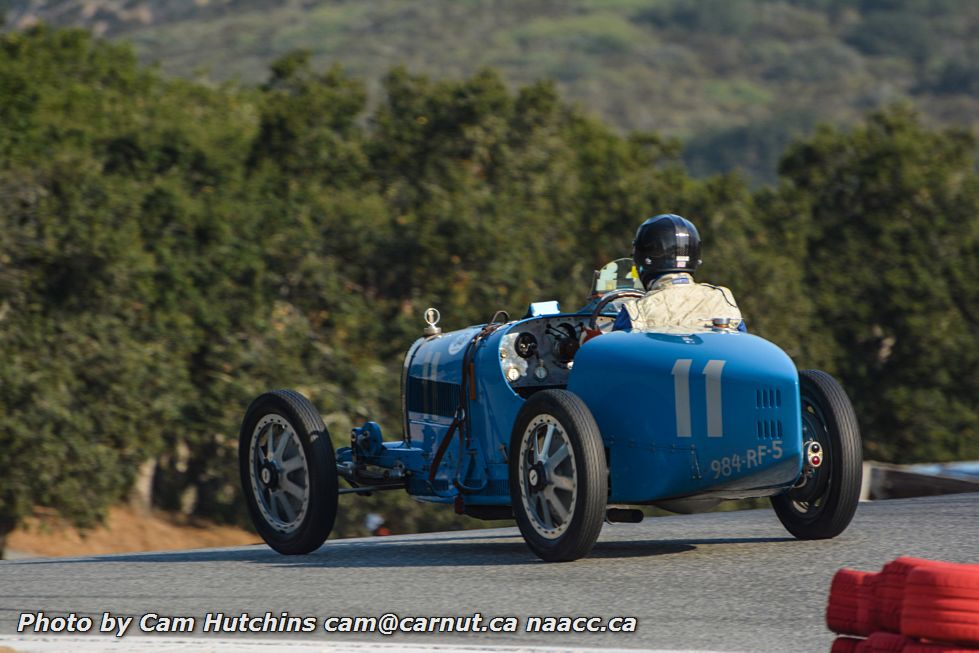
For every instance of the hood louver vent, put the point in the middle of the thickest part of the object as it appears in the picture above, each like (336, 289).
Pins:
(768, 401)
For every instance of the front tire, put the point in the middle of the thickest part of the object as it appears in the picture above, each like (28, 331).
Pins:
(558, 476)
(824, 506)
(288, 472)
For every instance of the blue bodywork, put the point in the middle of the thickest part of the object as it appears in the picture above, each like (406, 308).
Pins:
(693, 414)
(710, 414)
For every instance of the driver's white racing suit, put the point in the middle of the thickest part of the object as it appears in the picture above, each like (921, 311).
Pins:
(676, 300)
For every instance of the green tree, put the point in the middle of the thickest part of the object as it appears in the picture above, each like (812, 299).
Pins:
(890, 211)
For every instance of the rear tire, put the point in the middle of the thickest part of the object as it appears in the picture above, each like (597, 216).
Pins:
(824, 506)
(558, 476)
(288, 472)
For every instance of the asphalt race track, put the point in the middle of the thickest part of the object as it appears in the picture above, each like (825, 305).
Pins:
(716, 582)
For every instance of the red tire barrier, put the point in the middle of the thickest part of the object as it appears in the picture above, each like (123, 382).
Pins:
(845, 645)
(939, 602)
(884, 642)
(912, 606)
(942, 603)
(950, 579)
(889, 589)
(850, 610)
(846, 580)
(942, 630)
(867, 611)
(931, 647)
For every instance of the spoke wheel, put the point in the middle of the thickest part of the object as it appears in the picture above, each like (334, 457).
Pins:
(547, 476)
(288, 472)
(824, 505)
(558, 476)
(279, 473)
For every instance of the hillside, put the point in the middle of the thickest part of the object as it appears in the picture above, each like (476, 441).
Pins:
(736, 80)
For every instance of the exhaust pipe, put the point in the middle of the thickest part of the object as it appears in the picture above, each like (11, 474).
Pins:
(623, 515)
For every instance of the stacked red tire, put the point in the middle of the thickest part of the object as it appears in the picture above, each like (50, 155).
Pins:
(883, 642)
(851, 609)
(931, 647)
(941, 603)
(889, 590)
(845, 645)
(911, 606)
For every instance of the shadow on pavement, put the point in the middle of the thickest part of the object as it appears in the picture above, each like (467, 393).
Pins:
(464, 550)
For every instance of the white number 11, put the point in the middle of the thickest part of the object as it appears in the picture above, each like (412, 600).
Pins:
(681, 387)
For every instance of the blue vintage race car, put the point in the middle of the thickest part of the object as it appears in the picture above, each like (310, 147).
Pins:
(562, 425)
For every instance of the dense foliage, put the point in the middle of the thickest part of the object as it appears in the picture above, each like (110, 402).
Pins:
(736, 80)
(168, 250)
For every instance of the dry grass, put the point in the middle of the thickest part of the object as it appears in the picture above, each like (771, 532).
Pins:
(126, 530)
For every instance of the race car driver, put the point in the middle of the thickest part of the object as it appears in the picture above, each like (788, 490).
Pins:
(666, 251)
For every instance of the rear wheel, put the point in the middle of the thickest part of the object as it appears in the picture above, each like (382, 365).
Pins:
(288, 472)
(558, 476)
(823, 506)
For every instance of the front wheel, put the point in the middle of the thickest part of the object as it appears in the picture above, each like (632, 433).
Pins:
(288, 472)
(823, 506)
(558, 476)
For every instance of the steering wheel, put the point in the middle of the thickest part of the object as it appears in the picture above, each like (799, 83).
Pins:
(607, 299)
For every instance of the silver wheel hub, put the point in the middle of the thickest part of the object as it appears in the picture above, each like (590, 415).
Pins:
(279, 473)
(548, 476)
(266, 476)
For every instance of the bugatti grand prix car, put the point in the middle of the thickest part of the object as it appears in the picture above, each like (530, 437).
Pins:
(560, 423)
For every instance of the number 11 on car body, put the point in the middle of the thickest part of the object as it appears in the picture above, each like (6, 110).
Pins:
(681, 386)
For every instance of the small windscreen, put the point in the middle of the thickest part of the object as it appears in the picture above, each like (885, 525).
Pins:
(616, 275)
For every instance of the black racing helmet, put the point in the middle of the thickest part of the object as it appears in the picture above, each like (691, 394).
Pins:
(665, 243)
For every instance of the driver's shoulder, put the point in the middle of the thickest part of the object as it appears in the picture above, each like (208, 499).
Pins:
(723, 290)
(631, 305)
